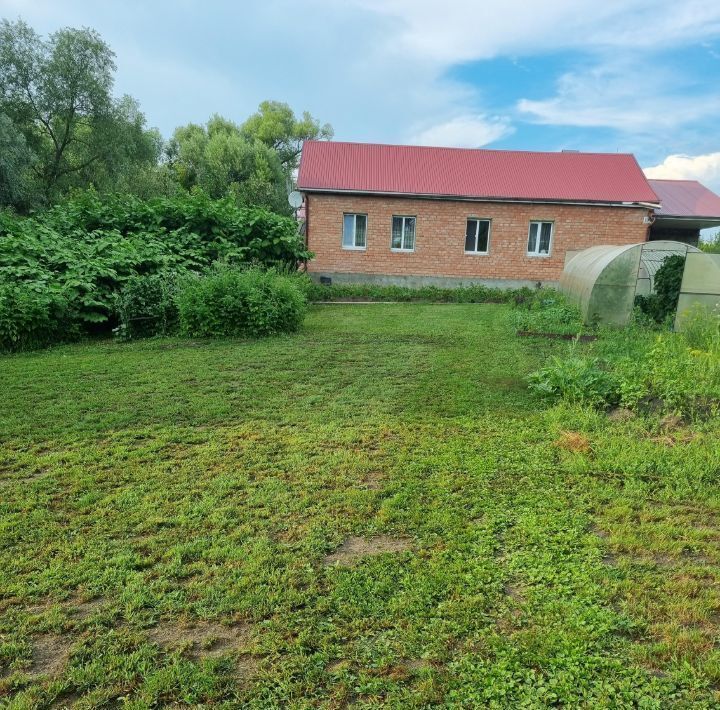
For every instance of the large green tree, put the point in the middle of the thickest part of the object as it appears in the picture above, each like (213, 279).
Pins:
(16, 161)
(275, 125)
(218, 158)
(58, 94)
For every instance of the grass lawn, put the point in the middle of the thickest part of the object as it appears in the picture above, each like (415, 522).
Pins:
(372, 512)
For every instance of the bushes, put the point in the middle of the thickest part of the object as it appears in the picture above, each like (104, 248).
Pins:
(546, 311)
(662, 304)
(641, 370)
(476, 293)
(239, 303)
(146, 306)
(86, 250)
(32, 316)
(576, 379)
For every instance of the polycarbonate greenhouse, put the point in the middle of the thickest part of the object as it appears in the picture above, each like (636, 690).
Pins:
(604, 280)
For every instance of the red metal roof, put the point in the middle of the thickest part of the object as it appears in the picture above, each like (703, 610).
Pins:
(685, 198)
(472, 173)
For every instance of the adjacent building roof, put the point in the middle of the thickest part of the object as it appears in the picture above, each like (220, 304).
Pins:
(330, 166)
(685, 198)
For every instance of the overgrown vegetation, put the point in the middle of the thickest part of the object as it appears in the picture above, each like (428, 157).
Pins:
(642, 369)
(374, 511)
(231, 302)
(546, 311)
(661, 305)
(476, 293)
(76, 257)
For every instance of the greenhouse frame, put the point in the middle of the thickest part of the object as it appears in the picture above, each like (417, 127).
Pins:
(603, 281)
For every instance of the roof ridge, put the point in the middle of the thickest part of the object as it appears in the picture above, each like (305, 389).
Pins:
(415, 146)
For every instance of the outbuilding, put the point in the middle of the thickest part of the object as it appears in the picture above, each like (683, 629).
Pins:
(415, 215)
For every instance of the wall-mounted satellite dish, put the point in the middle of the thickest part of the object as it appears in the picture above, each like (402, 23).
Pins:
(295, 199)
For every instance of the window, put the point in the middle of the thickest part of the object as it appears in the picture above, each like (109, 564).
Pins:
(477, 236)
(403, 233)
(354, 231)
(540, 238)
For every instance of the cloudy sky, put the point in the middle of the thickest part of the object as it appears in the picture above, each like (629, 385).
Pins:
(636, 76)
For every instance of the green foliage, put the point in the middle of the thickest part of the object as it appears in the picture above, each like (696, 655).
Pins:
(276, 126)
(32, 316)
(218, 159)
(546, 311)
(57, 93)
(86, 249)
(578, 380)
(712, 246)
(16, 159)
(642, 369)
(233, 302)
(662, 304)
(433, 294)
(146, 306)
(153, 488)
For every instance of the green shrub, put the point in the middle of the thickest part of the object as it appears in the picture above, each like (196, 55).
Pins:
(547, 311)
(88, 248)
(233, 302)
(475, 293)
(662, 304)
(146, 306)
(32, 316)
(575, 379)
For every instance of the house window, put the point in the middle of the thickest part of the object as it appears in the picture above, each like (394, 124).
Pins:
(403, 234)
(540, 238)
(477, 236)
(354, 231)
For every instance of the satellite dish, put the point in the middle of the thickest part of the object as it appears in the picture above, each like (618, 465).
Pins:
(295, 199)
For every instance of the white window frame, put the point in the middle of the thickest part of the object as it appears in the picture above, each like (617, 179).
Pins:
(540, 222)
(477, 221)
(354, 247)
(403, 217)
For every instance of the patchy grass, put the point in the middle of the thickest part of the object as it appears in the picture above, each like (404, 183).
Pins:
(171, 509)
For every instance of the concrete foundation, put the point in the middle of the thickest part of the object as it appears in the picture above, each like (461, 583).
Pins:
(419, 281)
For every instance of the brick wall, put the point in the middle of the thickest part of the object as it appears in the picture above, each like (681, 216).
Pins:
(440, 236)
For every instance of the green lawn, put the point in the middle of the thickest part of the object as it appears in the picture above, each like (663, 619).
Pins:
(372, 512)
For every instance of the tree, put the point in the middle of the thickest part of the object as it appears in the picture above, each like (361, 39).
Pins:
(16, 159)
(712, 246)
(275, 125)
(220, 160)
(58, 95)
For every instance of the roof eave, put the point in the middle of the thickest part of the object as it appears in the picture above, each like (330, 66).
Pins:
(475, 198)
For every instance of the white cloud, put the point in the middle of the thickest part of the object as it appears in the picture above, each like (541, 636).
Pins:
(467, 131)
(465, 30)
(381, 69)
(625, 95)
(705, 168)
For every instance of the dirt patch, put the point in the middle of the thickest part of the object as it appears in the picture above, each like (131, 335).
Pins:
(356, 547)
(556, 336)
(513, 592)
(203, 639)
(80, 609)
(573, 441)
(373, 481)
(50, 653)
(337, 667)
(66, 701)
(670, 422)
(620, 414)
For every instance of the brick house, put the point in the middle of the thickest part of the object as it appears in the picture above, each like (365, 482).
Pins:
(446, 216)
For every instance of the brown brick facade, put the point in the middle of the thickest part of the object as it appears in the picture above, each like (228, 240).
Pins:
(440, 237)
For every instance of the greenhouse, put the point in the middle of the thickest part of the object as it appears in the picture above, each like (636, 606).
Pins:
(604, 280)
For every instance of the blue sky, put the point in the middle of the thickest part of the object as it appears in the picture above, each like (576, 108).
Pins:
(635, 76)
